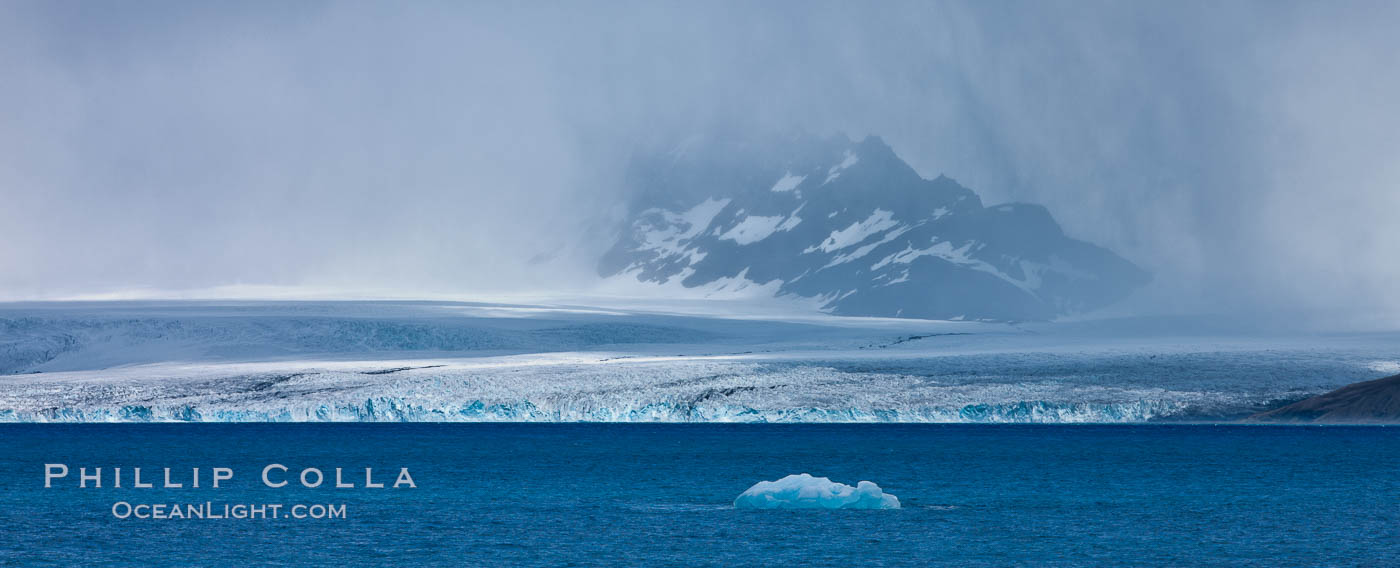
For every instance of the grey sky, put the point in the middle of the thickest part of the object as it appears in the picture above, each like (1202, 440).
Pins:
(1243, 152)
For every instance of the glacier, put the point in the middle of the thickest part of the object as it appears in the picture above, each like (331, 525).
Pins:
(807, 492)
(478, 362)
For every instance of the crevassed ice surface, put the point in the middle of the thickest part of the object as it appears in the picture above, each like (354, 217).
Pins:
(416, 361)
(804, 491)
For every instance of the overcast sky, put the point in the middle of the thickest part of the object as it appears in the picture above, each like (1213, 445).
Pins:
(1248, 154)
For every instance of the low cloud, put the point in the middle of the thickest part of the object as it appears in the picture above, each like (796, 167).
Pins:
(1241, 152)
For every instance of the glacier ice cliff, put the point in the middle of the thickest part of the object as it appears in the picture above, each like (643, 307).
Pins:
(451, 362)
(807, 492)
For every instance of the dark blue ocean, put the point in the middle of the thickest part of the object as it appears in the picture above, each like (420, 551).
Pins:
(660, 495)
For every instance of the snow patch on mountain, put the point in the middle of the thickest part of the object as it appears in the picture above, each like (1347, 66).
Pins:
(848, 160)
(789, 182)
(666, 233)
(864, 250)
(754, 228)
(878, 222)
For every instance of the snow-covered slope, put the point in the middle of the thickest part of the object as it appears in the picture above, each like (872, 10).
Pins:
(851, 224)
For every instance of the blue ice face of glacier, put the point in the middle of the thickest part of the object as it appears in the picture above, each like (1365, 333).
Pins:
(807, 492)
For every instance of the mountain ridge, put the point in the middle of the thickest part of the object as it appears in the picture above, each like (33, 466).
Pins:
(854, 226)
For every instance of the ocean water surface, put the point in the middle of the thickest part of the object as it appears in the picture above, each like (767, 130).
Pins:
(661, 494)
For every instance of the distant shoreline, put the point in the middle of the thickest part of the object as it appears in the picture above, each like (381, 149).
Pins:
(1369, 402)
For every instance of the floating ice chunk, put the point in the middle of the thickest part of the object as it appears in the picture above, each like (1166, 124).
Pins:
(807, 492)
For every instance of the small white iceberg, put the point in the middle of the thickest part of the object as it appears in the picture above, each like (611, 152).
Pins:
(807, 492)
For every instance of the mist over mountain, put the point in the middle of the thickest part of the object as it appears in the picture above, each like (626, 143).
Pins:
(851, 224)
(1243, 154)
